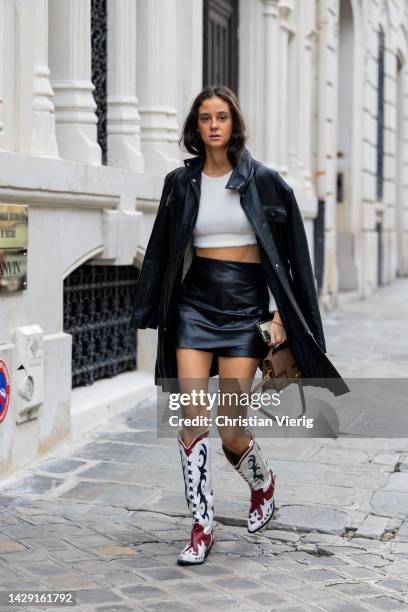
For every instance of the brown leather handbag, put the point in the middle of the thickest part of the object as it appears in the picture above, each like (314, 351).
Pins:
(279, 369)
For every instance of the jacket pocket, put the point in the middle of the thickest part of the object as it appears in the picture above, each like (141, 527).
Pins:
(275, 213)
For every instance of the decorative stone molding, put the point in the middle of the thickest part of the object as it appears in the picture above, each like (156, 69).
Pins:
(285, 9)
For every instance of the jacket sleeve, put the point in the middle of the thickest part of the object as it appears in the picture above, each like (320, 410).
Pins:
(149, 284)
(302, 271)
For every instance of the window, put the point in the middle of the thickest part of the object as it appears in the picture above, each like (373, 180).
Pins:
(380, 116)
(220, 38)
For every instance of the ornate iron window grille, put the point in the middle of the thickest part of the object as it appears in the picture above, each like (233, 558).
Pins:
(220, 43)
(97, 310)
(99, 26)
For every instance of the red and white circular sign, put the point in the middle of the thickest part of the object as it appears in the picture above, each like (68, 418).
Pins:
(4, 390)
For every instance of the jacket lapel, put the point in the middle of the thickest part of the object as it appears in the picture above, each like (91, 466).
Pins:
(193, 168)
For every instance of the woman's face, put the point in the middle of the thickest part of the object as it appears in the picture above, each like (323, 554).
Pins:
(215, 123)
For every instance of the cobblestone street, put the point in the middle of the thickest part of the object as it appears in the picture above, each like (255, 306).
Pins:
(105, 515)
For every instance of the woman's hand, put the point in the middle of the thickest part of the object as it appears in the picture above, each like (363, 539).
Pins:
(277, 331)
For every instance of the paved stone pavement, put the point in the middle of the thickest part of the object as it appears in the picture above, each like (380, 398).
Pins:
(105, 515)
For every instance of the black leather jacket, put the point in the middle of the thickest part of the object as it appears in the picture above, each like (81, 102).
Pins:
(272, 210)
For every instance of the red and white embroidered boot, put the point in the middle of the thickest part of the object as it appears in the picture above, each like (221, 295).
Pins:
(261, 480)
(195, 461)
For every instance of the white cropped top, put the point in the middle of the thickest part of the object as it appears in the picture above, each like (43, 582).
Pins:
(221, 222)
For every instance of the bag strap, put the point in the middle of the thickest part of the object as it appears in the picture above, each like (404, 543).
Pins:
(301, 394)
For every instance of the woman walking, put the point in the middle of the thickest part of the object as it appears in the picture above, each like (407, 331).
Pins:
(227, 250)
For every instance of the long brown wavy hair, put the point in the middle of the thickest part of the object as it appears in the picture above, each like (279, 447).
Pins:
(192, 140)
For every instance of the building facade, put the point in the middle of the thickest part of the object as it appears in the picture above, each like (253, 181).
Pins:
(93, 94)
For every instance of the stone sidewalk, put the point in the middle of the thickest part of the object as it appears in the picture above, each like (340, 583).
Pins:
(105, 515)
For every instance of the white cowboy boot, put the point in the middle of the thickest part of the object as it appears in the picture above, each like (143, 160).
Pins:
(195, 460)
(261, 479)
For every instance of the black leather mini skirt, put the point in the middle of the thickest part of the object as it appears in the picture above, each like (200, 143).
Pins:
(218, 307)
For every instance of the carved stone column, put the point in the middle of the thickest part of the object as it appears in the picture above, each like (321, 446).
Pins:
(271, 82)
(44, 140)
(124, 147)
(32, 120)
(326, 145)
(285, 9)
(307, 34)
(70, 63)
(157, 74)
(2, 55)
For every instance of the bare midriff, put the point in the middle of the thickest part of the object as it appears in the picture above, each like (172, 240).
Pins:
(247, 253)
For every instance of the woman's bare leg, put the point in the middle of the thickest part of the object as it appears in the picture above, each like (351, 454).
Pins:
(193, 369)
(241, 448)
(236, 375)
